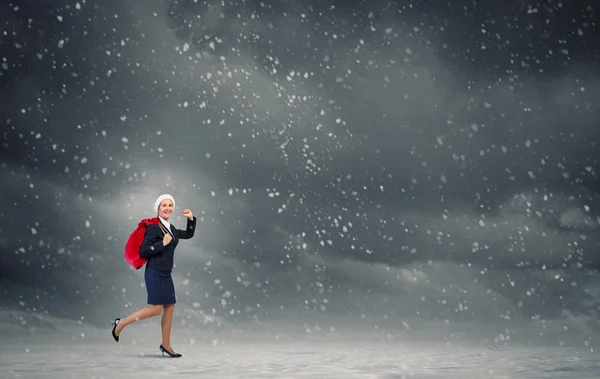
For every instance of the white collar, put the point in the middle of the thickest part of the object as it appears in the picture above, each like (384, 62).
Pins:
(165, 223)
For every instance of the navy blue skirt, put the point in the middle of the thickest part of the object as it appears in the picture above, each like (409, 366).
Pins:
(159, 286)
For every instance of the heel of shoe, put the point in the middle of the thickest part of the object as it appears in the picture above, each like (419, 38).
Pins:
(163, 350)
(114, 324)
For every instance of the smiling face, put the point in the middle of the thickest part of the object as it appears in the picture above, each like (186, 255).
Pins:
(165, 209)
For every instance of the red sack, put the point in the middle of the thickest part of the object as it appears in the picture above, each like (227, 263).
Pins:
(132, 248)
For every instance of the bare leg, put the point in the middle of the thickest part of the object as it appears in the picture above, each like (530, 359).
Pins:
(150, 311)
(166, 322)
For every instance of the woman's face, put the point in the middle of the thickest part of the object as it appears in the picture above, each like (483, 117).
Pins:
(165, 209)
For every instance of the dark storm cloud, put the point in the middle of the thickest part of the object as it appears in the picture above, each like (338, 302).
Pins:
(327, 150)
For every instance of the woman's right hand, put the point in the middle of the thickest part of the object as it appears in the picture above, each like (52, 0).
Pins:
(166, 239)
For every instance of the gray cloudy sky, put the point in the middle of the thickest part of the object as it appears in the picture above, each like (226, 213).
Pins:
(346, 159)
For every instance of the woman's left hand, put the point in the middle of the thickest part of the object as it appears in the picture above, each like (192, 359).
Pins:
(187, 213)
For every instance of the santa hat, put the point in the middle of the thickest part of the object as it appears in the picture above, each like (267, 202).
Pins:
(160, 200)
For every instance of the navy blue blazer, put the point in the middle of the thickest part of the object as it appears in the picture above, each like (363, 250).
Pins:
(159, 256)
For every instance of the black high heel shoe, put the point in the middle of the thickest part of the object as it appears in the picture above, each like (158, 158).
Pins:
(116, 337)
(176, 355)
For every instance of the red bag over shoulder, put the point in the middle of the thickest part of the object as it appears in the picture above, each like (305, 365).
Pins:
(132, 248)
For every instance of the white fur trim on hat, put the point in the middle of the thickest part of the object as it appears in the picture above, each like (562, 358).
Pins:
(160, 200)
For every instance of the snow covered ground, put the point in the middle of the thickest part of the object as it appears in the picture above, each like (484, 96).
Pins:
(41, 346)
(96, 356)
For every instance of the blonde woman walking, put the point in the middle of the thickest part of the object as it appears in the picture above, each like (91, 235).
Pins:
(158, 246)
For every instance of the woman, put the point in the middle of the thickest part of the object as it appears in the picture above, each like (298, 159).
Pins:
(158, 246)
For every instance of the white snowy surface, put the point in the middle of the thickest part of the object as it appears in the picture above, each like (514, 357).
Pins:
(40, 346)
(99, 357)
